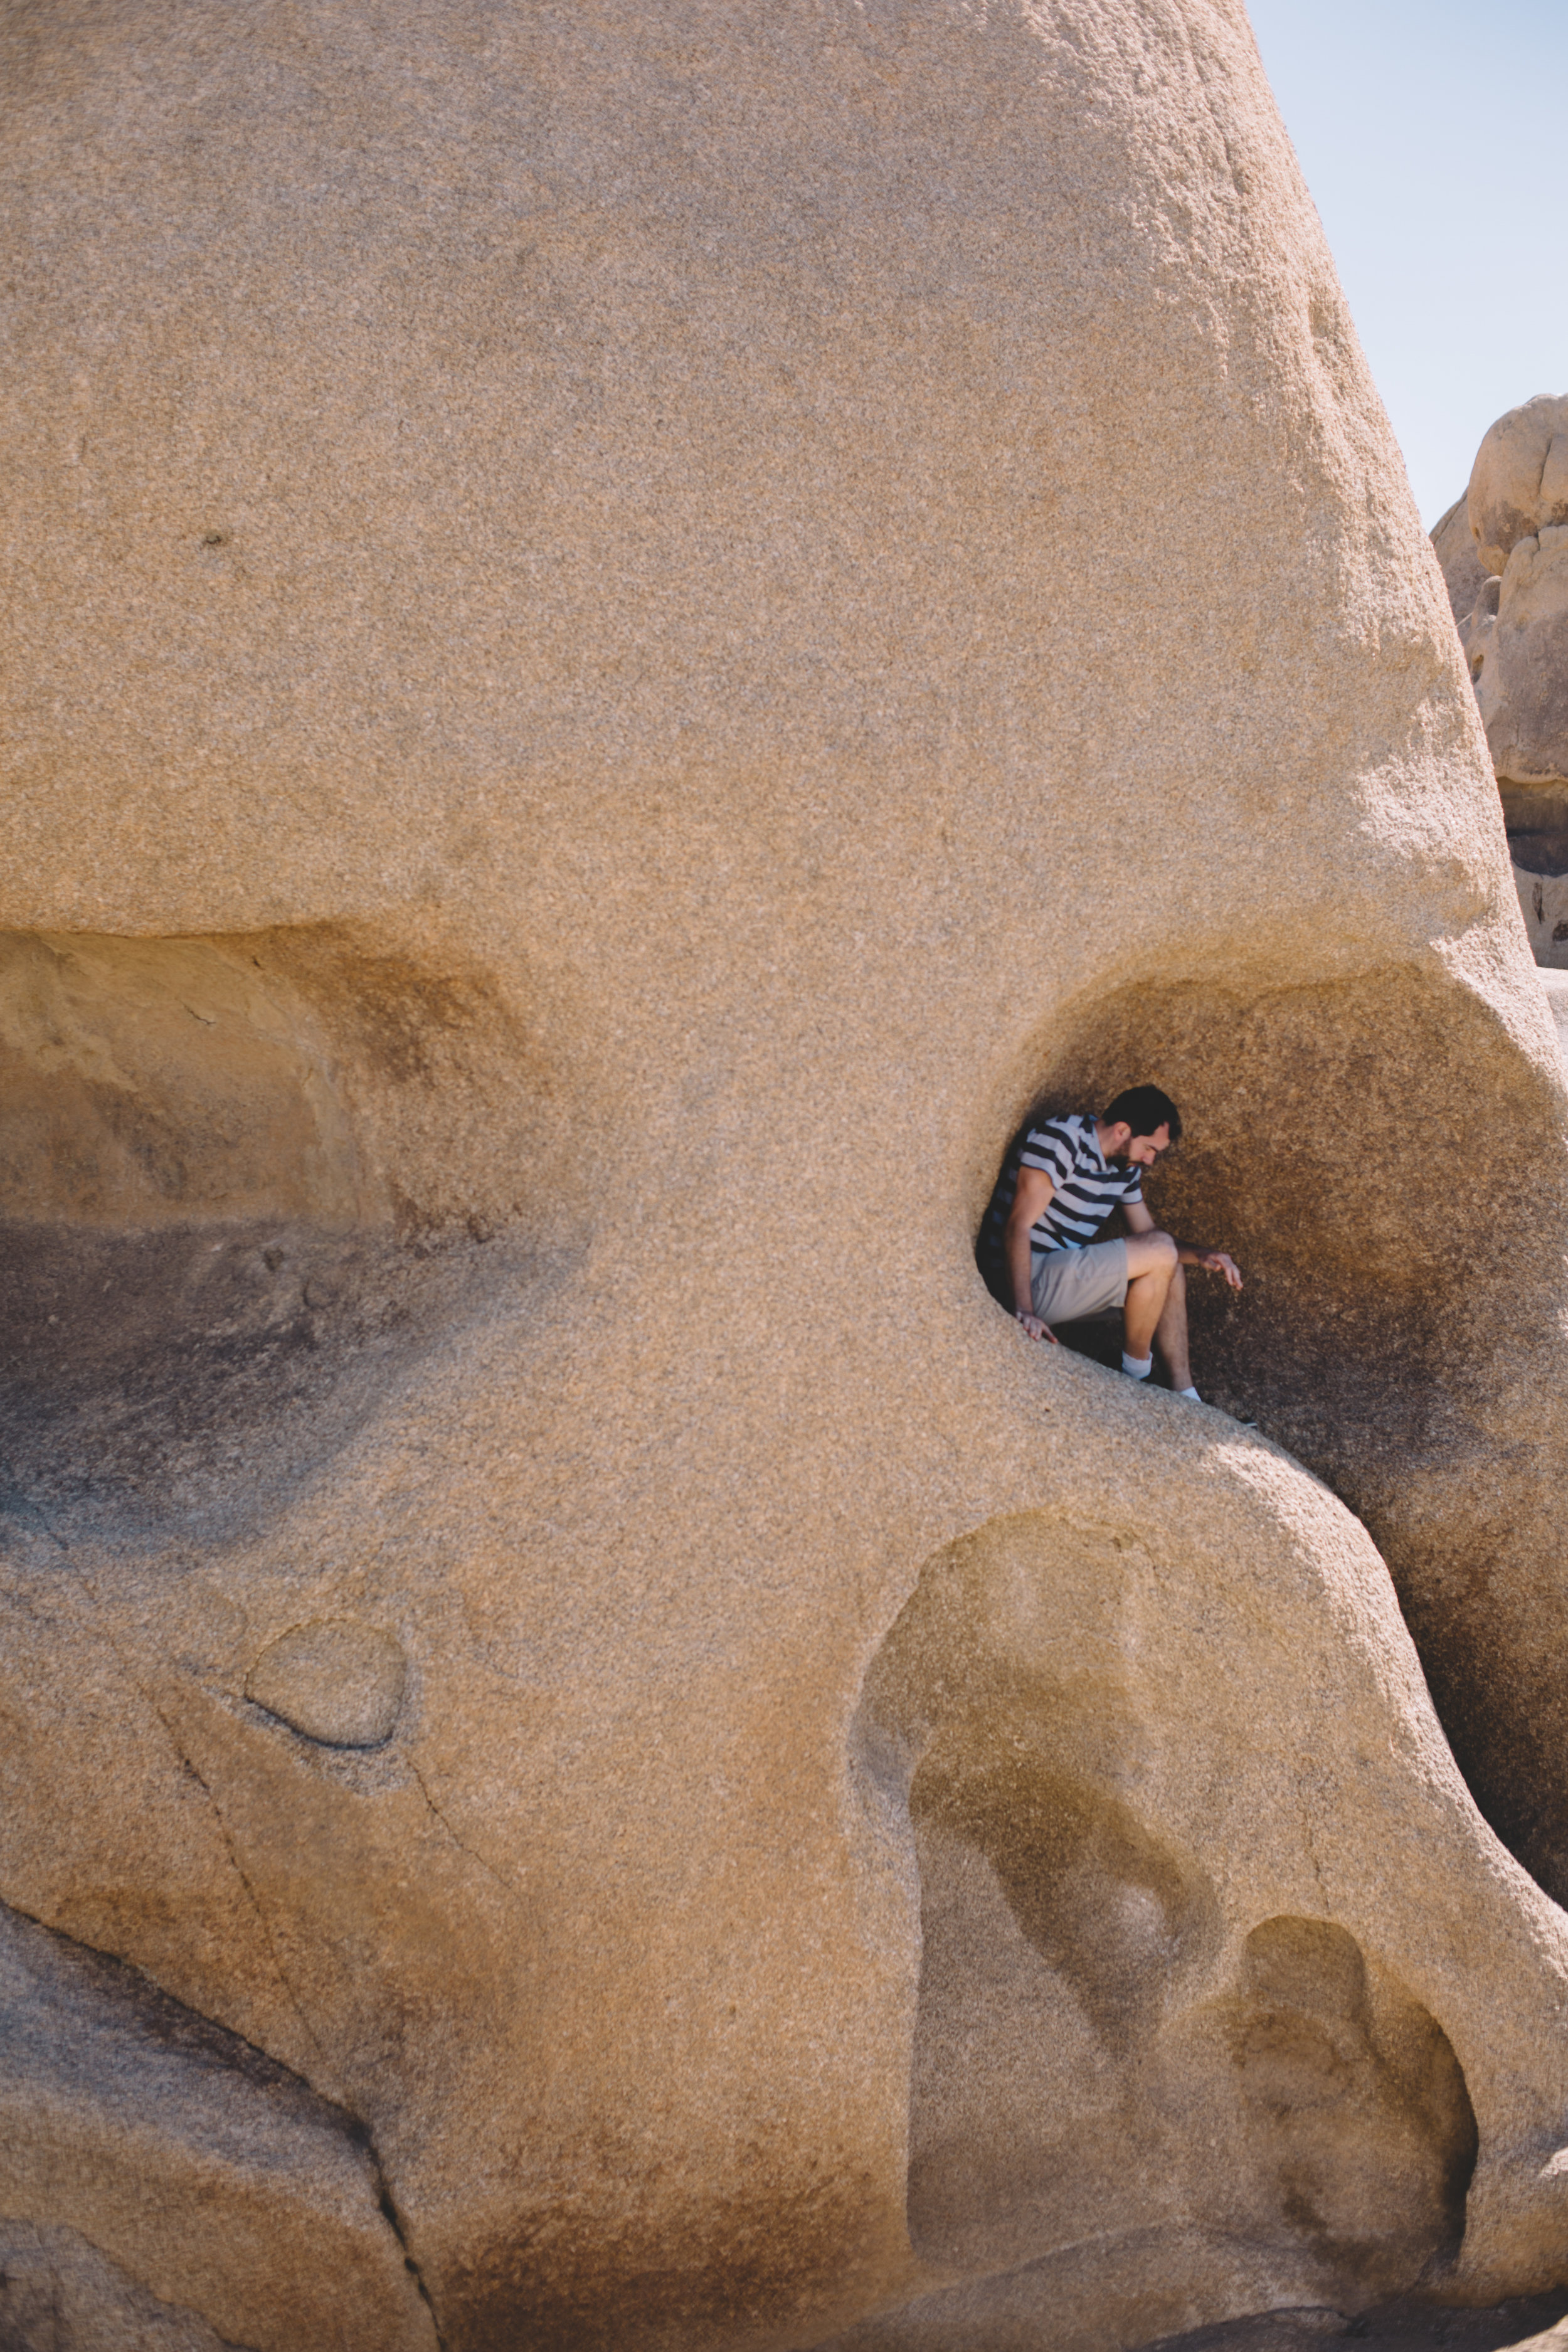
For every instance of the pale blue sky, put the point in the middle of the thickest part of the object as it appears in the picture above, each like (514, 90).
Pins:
(1434, 138)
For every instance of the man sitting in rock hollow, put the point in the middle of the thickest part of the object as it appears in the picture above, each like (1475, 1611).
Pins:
(1058, 1186)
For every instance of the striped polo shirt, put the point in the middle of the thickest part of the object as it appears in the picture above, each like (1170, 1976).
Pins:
(1087, 1186)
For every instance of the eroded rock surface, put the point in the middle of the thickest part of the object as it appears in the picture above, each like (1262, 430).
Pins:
(587, 723)
(57, 2291)
(1534, 2323)
(197, 2170)
(332, 1681)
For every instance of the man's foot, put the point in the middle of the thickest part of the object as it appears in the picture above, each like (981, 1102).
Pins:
(1137, 1367)
(1243, 1420)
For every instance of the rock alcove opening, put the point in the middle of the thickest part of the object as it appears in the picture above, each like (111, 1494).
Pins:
(1334, 1142)
(1536, 818)
(247, 1181)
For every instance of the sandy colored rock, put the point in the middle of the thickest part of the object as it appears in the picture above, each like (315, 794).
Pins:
(56, 2289)
(1535, 2324)
(1544, 902)
(1518, 483)
(1463, 574)
(125, 2121)
(588, 722)
(1516, 642)
(1064, 1936)
(1556, 984)
(1504, 553)
(332, 1681)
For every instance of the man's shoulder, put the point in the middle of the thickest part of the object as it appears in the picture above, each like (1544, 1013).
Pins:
(1062, 1126)
(1056, 1140)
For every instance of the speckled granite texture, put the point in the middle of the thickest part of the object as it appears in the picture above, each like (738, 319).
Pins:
(625, 628)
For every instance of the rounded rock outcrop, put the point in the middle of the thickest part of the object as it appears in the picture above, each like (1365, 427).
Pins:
(1518, 483)
(332, 1681)
(1503, 549)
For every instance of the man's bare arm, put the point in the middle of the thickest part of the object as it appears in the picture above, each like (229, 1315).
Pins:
(1030, 1201)
(1140, 1221)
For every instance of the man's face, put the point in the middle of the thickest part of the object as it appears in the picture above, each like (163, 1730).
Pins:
(1144, 1151)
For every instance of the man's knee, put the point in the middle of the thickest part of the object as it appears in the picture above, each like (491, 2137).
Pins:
(1151, 1256)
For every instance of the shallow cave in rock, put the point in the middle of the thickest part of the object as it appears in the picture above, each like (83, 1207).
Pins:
(1535, 817)
(1545, 853)
(238, 1208)
(1333, 1144)
(180, 1376)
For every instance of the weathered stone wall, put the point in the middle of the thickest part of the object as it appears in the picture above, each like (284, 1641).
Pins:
(625, 628)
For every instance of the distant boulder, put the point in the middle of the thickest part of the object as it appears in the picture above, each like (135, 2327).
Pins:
(1504, 553)
(1518, 483)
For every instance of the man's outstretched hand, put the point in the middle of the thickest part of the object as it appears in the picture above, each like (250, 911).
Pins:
(1035, 1330)
(1216, 1262)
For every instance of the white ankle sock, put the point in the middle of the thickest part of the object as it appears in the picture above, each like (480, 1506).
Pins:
(1137, 1367)
(1190, 1392)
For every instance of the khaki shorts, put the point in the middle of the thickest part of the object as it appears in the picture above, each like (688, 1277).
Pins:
(1071, 1283)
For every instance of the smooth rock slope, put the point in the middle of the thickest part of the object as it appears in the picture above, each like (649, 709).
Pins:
(625, 628)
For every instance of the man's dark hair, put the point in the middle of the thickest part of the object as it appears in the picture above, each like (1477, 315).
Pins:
(1144, 1109)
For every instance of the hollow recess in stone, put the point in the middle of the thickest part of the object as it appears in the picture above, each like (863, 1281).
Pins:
(239, 1210)
(333, 1681)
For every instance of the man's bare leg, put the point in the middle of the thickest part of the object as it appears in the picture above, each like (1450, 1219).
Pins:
(1171, 1333)
(1152, 1266)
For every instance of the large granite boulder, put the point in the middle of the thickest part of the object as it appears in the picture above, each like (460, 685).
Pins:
(615, 653)
(1504, 553)
(1518, 483)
